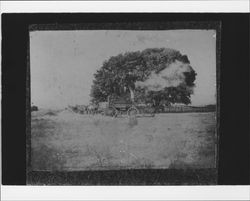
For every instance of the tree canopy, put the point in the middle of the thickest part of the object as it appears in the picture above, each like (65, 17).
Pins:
(118, 75)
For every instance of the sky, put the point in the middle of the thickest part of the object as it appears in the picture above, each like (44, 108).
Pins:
(62, 63)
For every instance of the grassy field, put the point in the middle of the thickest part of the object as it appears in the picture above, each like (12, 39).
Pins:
(63, 140)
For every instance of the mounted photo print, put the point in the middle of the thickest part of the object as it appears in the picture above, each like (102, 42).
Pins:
(123, 103)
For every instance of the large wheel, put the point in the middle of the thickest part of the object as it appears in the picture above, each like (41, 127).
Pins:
(133, 111)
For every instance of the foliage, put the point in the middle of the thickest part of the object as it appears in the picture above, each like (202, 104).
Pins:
(118, 75)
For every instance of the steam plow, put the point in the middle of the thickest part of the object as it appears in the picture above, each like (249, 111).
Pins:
(120, 107)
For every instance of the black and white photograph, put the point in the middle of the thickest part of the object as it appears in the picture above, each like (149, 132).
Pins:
(123, 99)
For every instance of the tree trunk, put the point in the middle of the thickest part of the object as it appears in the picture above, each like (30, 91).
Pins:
(132, 94)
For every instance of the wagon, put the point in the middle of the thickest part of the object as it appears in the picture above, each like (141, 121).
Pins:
(124, 106)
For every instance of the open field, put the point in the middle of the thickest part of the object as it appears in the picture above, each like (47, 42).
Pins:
(63, 140)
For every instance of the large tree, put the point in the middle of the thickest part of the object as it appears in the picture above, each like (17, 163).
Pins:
(118, 75)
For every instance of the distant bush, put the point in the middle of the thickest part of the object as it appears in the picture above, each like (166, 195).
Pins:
(34, 108)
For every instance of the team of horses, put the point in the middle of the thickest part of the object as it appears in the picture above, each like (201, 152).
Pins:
(85, 109)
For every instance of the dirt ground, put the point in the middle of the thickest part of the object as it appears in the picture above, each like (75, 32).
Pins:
(63, 140)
